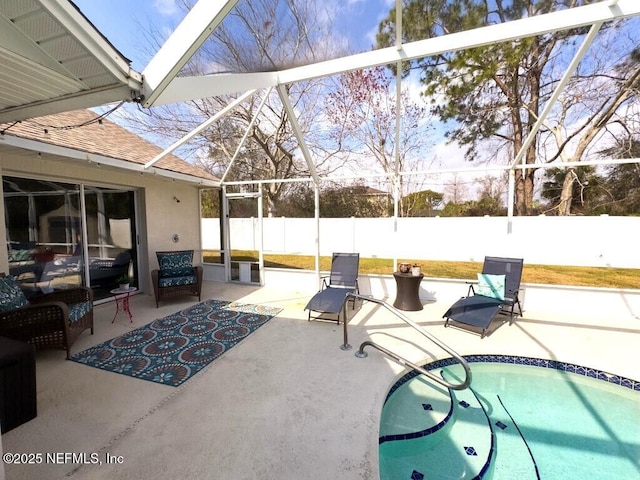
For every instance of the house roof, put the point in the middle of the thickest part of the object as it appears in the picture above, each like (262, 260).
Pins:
(365, 190)
(80, 131)
(54, 59)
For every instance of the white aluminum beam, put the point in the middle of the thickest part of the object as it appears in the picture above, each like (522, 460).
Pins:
(575, 61)
(183, 89)
(199, 128)
(246, 134)
(187, 38)
(526, 27)
(477, 170)
(398, 123)
(293, 120)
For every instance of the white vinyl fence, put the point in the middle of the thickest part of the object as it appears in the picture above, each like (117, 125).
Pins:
(577, 241)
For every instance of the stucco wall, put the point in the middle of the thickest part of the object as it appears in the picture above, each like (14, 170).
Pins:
(158, 214)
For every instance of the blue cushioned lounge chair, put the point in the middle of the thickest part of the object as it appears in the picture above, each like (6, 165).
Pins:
(343, 279)
(480, 306)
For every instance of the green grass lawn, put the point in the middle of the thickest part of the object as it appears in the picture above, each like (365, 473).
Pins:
(544, 274)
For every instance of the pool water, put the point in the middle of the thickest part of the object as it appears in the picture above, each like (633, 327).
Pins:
(516, 422)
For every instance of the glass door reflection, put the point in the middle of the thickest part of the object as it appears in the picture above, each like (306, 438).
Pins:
(61, 235)
(111, 234)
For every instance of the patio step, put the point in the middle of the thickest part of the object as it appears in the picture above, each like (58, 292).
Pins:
(415, 409)
(461, 448)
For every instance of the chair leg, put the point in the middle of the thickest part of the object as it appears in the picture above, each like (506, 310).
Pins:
(516, 301)
(513, 312)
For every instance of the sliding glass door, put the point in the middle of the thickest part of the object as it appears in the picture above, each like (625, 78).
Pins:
(111, 234)
(61, 235)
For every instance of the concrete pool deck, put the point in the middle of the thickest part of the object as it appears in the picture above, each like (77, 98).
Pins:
(286, 403)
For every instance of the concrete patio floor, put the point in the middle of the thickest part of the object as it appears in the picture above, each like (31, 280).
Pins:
(285, 403)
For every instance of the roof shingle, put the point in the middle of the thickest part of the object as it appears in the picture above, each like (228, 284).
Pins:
(107, 139)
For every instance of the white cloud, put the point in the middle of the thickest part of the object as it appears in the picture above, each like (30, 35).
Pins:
(166, 7)
(448, 155)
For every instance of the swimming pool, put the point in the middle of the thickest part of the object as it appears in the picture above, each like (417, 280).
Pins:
(518, 421)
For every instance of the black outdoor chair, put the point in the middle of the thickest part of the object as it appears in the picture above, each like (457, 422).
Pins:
(497, 293)
(342, 280)
(103, 272)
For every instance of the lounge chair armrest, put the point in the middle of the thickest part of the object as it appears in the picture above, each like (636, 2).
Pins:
(512, 295)
(471, 290)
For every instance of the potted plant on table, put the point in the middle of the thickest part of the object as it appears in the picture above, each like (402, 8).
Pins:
(123, 282)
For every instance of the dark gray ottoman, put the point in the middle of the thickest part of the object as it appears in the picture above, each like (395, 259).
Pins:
(17, 383)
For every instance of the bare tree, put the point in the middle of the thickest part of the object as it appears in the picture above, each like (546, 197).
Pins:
(597, 100)
(456, 190)
(494, 187)
(261, 35)
(363, 109)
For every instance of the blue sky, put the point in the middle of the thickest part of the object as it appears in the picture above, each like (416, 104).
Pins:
(123, 22)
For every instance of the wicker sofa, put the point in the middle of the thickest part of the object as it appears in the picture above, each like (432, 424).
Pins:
(176, 275)
(50, 321)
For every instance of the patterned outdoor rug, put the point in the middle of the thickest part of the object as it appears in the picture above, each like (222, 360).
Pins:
(172, 349)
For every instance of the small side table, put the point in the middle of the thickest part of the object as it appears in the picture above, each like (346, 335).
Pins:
(122, 301)
(407, 291)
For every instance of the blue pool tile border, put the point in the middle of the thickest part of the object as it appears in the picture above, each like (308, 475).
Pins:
(532, 361)
(545, 363)
(420, 433)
